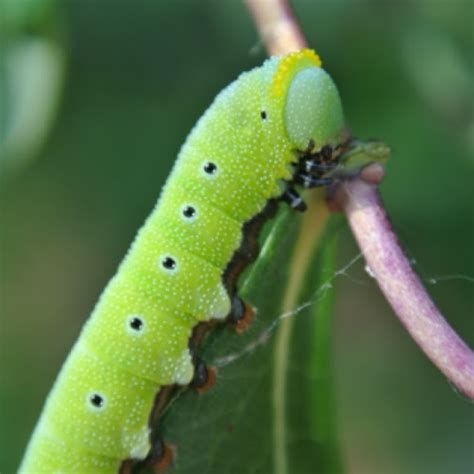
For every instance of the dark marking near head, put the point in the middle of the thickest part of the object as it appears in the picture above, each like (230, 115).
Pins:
(294, 200)
(263, 115)
(309, 181)
(326, 152)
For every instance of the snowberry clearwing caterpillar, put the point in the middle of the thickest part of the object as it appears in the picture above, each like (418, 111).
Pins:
(275, 127)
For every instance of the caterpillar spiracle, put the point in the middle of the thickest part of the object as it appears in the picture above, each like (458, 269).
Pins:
(275, 127)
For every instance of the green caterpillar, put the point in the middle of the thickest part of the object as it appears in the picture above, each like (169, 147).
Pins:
(276, 126)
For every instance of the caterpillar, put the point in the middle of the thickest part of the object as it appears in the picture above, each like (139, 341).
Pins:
(276, 127)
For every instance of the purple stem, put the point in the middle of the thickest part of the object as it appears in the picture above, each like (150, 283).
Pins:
(402, 287)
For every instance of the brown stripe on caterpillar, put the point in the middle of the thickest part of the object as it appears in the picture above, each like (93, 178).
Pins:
(249, 248)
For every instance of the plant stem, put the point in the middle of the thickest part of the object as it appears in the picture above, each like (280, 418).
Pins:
(277, 26)
(402, 287)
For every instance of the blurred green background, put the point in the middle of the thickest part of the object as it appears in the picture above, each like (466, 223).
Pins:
(138, 75)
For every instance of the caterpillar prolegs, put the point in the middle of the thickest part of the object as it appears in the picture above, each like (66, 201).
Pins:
(275, 127)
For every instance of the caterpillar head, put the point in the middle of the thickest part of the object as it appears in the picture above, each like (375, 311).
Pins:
(312, 107)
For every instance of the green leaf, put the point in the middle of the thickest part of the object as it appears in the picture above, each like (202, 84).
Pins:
(32, 74)
(271, 409)
(22, 15)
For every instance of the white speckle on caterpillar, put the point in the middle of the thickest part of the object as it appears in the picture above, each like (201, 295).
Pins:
(140, 442)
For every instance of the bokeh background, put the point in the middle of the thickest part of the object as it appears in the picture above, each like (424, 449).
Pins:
(110, 94)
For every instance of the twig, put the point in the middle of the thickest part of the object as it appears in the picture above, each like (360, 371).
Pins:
(402, 287)
(372, 230)
(277, 26)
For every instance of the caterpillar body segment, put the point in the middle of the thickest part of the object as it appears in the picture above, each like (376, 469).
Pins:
(182, 268)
